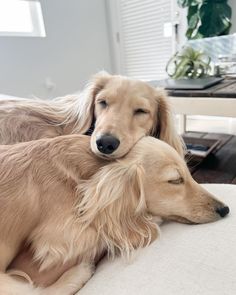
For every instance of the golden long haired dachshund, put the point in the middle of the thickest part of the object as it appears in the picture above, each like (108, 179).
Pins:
(67, 207)
(117, 110)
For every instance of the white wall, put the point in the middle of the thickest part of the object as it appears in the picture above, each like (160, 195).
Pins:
(76, 47)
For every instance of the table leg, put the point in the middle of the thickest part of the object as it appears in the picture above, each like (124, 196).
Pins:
(182, 123)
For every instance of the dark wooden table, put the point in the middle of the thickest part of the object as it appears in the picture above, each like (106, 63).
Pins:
(226, 89)
(217, 100)
(220, 165)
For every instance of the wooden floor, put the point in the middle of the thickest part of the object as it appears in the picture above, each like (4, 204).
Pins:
(220, 165)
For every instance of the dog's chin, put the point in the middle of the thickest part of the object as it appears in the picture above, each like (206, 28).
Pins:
(198, 220)
(116, 155)
(104, 156)
(180, 219)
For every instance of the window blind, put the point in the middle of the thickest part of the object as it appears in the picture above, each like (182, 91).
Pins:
(145, 37)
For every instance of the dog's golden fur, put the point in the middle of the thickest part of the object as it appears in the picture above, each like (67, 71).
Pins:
(69, 206)
(134, 109)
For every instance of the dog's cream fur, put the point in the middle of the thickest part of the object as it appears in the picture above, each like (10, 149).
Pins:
(133, 109)
(69, 206)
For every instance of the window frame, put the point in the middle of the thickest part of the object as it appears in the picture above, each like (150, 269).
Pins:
(37, 23)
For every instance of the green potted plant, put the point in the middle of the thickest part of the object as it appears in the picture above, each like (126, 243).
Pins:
(189, 63)
(207, 18)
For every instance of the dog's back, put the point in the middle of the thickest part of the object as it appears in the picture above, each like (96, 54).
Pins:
(23, 120)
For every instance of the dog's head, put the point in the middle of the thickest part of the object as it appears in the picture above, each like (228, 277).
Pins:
(170, 190)
(152, 179)
(125, 110)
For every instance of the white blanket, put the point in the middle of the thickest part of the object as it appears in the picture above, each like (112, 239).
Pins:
(186, 260)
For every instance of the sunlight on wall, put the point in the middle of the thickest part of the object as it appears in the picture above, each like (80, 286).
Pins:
(21, 18)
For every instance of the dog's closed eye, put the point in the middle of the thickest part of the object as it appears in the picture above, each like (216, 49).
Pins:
(179, 180)
(140, 111)
(103, 103)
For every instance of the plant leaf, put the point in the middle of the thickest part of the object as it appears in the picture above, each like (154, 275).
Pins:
(189, 63)
(193, 17)
(215, 18)
(182, 3)
(188, 3)
(181, 69)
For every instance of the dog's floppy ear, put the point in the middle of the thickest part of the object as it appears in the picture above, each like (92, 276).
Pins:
(98, 82)
(85, 102)
(114, 202)
(164, 128)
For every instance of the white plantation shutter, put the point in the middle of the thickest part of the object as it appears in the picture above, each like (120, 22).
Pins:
(144, 47)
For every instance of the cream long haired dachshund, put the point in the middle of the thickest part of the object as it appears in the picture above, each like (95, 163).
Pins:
(117, 110)
(68, 207)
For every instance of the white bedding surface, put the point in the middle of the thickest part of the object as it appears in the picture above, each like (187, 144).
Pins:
(5, 96)
(186, 260)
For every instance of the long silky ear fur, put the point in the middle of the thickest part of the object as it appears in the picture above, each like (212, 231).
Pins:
(164, 127)
(114, 203)
(74, 113)
(79, 109)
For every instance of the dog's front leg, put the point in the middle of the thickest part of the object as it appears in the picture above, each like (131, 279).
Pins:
(71, 281)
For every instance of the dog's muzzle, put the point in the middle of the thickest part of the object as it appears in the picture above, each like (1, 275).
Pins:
(107, 144)
(223, 211)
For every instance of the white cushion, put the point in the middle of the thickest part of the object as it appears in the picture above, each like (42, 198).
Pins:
(6, 96)
(186, 260)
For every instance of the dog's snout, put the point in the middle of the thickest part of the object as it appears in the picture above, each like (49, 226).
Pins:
(223, 211)
(107, 144)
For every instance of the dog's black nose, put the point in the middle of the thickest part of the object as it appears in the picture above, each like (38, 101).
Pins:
(107, 144)
(223, 211)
